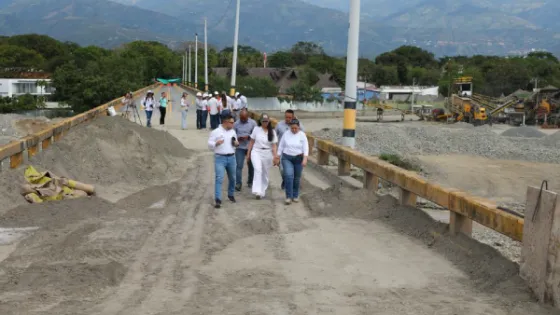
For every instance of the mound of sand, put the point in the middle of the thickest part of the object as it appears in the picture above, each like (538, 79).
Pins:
(111, 153)
(523, 132)
(484, 265)
(552, 140)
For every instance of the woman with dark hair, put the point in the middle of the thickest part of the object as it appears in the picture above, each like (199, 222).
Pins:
(293, 150)
(261, 152)
(149, 105)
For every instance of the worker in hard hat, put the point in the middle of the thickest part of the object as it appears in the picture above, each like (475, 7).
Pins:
(198, 104)
(149, 104)
(214, 111)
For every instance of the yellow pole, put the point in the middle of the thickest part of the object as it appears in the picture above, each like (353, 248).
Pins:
(232, 91)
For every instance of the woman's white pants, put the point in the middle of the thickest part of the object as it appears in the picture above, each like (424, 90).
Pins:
(262, 162)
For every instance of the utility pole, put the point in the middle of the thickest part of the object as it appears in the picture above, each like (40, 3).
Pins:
(350, 93)
(190, 66)
(196, 61)
(183, 72)
(186, 66)
(235, 40)
(205, 58)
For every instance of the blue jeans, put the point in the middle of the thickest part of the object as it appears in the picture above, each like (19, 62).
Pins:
(184, 118)
(214, 121)
(149, 118)
(224, 163)
(240, 156)
(292, 174)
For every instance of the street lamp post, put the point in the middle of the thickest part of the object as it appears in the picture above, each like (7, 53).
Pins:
(196, 61)
(190, 66)
(235, 41)
(205, 58)
(350, 92)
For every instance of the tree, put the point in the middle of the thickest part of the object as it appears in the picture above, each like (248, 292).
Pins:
(301, 52)
(19, 57)
(281, 59)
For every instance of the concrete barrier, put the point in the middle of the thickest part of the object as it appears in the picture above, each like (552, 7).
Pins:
(17, 152)
(464, 208)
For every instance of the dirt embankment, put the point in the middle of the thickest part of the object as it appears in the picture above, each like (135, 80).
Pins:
(117, 156)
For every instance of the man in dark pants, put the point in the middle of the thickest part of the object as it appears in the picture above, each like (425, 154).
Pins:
(198, 110)
(243, 128)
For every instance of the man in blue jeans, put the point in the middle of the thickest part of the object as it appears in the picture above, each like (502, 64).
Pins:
(243, 128)
(223, 141)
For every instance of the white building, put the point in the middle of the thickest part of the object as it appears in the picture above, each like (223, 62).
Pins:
(17, 87)
(404, 92)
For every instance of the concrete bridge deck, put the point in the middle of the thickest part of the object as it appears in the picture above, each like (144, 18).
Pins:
(166, 250)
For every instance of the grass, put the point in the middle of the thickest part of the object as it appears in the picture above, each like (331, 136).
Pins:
(397, 160)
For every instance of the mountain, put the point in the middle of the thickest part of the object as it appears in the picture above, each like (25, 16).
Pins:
(102, 23)
(445, 27)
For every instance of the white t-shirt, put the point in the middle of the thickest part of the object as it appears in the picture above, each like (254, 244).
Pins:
(261, 139)
(149, 103)
(184, 103)
(243, 101)
(293, 144)
(204, 104)
(221, 134)
(213, 105)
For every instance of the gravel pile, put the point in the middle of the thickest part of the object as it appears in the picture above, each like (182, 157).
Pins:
(523, 132)
(552, 140)
(375, 139)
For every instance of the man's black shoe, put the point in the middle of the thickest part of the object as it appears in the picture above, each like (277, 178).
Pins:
(218, 204)
(250, 185)
(282, 185)
(238, 187)
(231, 198)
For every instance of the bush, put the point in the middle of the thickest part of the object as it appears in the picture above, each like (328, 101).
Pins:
(397, 160)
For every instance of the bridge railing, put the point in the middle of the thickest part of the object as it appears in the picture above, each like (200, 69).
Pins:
(463, 207)
(16, 152)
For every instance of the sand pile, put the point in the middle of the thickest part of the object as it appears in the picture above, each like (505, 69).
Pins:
(108, 152)
(484, 265)
(523, 132)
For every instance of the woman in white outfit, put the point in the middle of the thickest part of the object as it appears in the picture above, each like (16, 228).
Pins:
(261, 151)
(184, 110)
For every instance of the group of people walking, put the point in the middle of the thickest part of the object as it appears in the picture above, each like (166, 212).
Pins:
(213, 104)
(260, 146)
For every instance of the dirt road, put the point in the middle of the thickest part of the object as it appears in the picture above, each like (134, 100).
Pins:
(166, 250)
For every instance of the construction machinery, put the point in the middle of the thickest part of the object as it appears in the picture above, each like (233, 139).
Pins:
(462, 106)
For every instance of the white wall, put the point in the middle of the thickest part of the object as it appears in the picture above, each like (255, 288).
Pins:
(9, 86)
(271, 104)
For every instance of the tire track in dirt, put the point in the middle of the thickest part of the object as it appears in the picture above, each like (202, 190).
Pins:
(160, 278)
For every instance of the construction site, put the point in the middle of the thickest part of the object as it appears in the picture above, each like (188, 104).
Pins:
(147, 240)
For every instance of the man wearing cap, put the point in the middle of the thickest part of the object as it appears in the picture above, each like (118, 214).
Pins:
(223, 141)
(198, 104)
(214, 110)
(281, 128)
(243, 128)
(204, 115)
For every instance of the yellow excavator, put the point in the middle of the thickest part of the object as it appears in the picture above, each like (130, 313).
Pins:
(462, 106)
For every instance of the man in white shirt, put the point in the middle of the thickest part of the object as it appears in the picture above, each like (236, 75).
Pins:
(223, 141)
(214, 110)
(201, 111)
(243, 101)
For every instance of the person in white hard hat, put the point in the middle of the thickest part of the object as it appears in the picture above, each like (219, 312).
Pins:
(149, 104)
(220, 108)
(198, 104)
(242, 101)
(261, 152)
(204, 115)
(214, 110)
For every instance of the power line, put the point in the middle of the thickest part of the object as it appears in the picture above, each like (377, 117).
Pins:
(223, 16)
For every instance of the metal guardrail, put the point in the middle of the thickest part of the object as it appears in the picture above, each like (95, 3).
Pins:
(15, 152)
